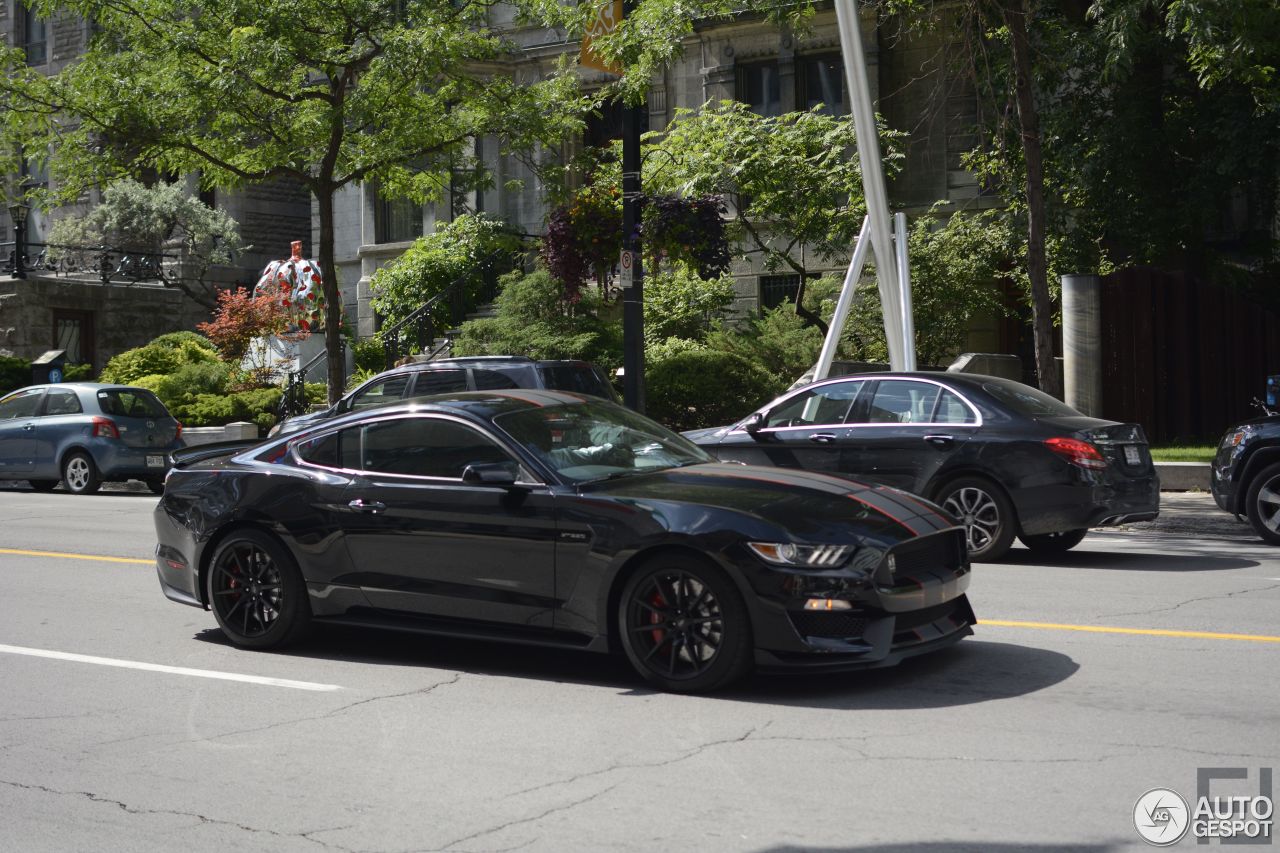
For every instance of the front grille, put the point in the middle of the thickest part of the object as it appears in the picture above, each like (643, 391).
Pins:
(830, 624)
(929, 559)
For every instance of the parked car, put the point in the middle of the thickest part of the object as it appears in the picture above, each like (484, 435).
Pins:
(1006, 459)
(560, 520)
(470, 373)
(1245, 474)
(82, 433)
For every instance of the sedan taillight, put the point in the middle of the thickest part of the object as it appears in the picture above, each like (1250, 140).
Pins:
(105, 428)
(1077, 452)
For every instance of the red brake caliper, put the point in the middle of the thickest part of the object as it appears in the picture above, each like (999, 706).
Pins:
(659, 602)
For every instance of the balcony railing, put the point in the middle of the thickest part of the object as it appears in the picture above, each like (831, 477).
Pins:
(108, 265)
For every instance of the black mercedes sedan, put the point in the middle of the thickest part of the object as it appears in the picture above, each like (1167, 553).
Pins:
(560, 520)
(1004, 458)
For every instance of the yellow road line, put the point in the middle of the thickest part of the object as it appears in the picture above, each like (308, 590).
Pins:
(94, 557)
(1148, 632)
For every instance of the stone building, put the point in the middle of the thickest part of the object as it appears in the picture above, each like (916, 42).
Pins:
(77, 311)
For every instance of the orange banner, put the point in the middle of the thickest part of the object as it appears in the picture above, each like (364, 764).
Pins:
(608, 19)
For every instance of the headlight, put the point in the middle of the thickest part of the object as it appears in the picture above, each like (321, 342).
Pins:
(801, 556)
(1236, 437)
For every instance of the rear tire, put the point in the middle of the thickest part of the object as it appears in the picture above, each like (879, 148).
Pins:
(986, 514)
(684, 626)
(80, 474)
(1054, 543)
(256, 591)
(43, 485)
(1262, 504)
(156, 486)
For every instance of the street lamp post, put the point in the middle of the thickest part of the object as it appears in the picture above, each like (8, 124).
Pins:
(18, 213)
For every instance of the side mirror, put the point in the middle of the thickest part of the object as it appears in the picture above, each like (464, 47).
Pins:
(754, 424)
(491, 474)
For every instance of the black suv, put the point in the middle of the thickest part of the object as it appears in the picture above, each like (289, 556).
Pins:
(1246, 474)
(472, 373)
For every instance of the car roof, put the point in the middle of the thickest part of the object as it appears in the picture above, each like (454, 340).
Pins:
(970, 380)
(82, 386)
(482, 405)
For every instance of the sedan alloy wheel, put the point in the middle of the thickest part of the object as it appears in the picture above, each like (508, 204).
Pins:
(986, 514)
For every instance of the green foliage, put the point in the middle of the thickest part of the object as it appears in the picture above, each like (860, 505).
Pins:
(466, 248)
(255, 406)
(679, 304)
(15, 373)
(778, 341)
(369, 355)
(77, 373)
(163, 355)
(691, 385)
(535, 320)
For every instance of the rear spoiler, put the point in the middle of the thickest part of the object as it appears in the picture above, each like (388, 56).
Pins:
(201, 452)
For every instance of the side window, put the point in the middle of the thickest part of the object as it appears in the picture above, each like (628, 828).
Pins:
(952, 410)
(901, 401)
(829, 404)
(23, 404)
(425, 447)
(323, 451)
(386, 392)
(439, 382)
(492, 380)
(60, 401)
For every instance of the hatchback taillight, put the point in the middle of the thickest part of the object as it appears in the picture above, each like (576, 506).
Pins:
(105, 428)
(1077, 452)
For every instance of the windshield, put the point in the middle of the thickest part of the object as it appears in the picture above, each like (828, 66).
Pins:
(596, 441)
(1028, 401)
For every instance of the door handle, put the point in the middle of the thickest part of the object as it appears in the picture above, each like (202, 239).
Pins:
(28, 427)
(940, 440)
(823, 437)
(361, 505)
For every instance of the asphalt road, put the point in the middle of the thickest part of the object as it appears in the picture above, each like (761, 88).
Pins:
(1031, 735)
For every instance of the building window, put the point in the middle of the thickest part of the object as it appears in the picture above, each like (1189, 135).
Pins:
(396, 220)
(73, 332)
(758, 88)
(34, 34)
(820, 80)
(776, 289)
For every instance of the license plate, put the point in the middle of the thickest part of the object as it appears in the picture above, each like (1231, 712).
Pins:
(155, 461)
(1131, 455)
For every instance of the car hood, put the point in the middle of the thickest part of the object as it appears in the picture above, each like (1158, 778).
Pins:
(707, 436)
(808, 506)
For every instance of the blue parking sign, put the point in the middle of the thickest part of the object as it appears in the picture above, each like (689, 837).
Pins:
(55, 374)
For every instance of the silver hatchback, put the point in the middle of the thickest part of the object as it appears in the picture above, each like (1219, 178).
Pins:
(83, 433)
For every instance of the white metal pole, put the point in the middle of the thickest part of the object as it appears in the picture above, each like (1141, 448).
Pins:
(904, 291)
(844, 303)
(873, 185)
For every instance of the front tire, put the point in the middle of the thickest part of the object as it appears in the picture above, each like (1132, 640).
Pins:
(256, 591)
(985, 513)
(684, 626)
(80, 474)
(1054, 543)
(1262, 504)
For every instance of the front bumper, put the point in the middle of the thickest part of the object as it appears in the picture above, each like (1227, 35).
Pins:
(911, 604)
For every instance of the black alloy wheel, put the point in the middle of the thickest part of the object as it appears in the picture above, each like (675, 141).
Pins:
(1054, 543)
(43, 485)
(986, 514)
(1262, 504)
(256, 591)
(684, 627)
(80, 474)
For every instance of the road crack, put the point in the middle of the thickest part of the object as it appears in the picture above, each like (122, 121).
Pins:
(532, 819)
(1231, 594)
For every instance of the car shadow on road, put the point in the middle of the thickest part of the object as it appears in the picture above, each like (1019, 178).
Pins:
(970, 672)
(1211, 560)
(953, 847)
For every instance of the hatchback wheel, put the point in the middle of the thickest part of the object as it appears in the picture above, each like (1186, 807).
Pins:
(986, 514)
(684, 626)
(1054, 543)
(80, 475)
(256, 591)
(1262, 503)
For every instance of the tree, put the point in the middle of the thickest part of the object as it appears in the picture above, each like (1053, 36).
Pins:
(132, 216)
(325, 93)
(792, 180)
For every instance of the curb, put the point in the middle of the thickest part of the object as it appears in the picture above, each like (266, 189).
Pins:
(1183, 476)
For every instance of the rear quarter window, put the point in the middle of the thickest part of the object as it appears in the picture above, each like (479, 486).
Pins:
(578, 378)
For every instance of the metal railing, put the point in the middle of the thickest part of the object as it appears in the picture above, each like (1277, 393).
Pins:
(108, 264)
(293, 401)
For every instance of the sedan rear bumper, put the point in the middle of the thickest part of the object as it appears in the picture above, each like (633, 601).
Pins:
(1058, 508)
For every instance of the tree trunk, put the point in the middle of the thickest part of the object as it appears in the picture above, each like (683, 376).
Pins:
(332, 297)
(1016, 13)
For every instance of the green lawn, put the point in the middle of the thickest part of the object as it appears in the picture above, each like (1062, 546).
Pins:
(1183, 454)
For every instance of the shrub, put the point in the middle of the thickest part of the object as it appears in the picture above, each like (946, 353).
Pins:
(163, 355)
(679, 304)
(369, 355)
(15, 373)
(256, 406)
(691, 385)
(779, 342)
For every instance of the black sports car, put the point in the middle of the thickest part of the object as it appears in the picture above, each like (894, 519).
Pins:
(561, 520)
(1004, 458)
